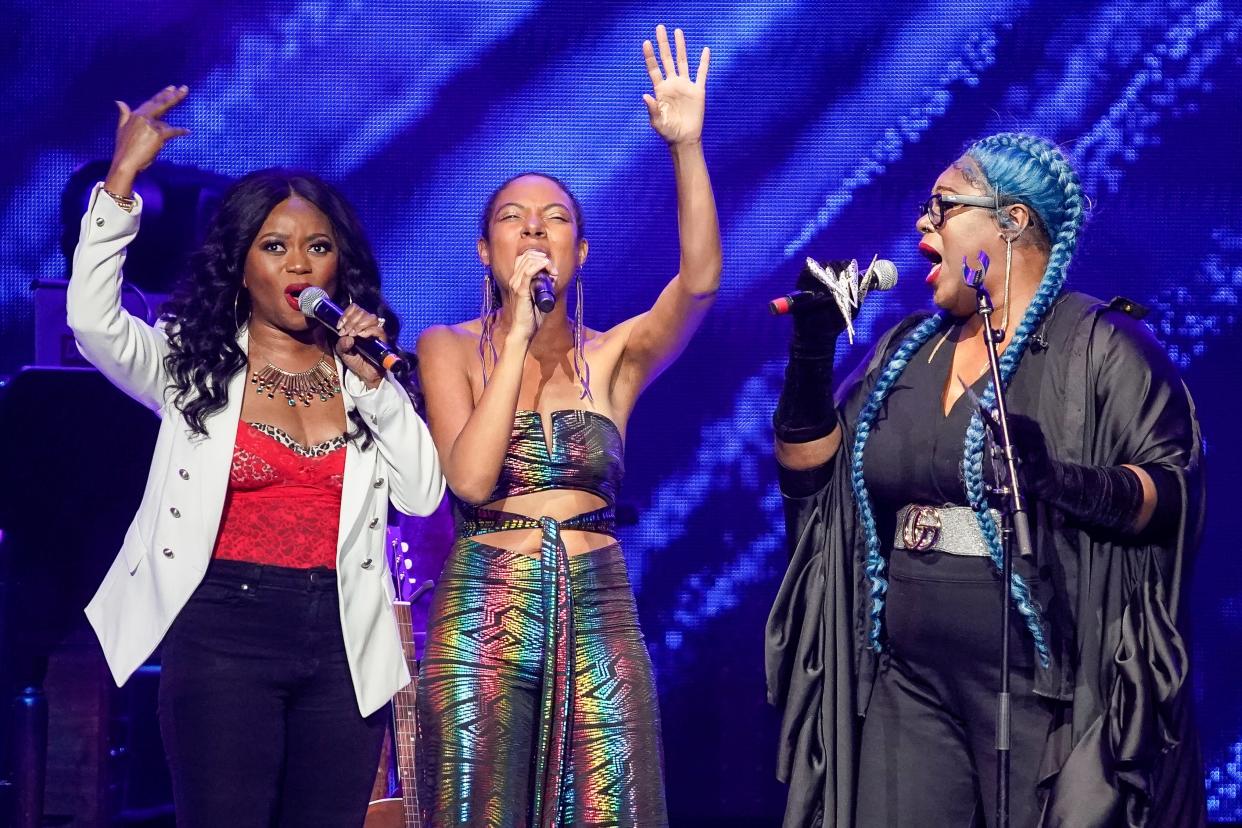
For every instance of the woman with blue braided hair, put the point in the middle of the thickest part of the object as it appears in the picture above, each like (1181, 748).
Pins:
(883, 643)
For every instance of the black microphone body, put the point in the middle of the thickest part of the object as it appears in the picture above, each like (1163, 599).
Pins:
(315, 304)
(541, 291)
(797, 300)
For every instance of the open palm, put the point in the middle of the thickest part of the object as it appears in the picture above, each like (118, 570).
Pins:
(677, 106)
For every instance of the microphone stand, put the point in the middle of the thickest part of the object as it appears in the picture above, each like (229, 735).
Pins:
(1017, 527)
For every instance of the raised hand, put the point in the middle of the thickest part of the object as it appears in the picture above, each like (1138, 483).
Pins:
(677, 106)
(824, 319)
(140, 135)
(527, 317)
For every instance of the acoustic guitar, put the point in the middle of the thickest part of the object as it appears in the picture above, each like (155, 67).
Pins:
(402, 811)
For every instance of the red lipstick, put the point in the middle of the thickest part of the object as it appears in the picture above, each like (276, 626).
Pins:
(291, 294)
(932, 255)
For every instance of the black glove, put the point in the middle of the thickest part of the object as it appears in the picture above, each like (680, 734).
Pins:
(1108, 497)
(805, 411)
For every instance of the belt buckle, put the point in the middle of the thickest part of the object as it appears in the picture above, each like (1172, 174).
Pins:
(921, 528)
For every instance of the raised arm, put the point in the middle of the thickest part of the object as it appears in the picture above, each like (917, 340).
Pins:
(128, 351)
(676, 107)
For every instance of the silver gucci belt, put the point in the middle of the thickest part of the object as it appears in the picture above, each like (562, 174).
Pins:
(953, 530)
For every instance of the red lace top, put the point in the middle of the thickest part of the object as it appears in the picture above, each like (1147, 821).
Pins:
(283, 506)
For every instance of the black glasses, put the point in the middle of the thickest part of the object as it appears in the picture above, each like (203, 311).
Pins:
(940, 203)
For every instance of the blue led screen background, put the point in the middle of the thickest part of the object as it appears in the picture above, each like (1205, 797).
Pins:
(826, 125)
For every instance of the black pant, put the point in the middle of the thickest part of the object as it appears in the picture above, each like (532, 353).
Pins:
(257, 708)
(928, 753)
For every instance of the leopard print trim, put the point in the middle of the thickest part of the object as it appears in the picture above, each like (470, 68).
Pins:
(281, 436)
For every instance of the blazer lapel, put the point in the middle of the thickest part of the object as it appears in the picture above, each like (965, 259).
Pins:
(359, 468)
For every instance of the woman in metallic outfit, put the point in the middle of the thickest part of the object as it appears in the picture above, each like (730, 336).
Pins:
(536, 696)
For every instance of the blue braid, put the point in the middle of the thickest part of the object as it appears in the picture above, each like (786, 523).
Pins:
(875, 565)
(1020, 168)
(1033, 171)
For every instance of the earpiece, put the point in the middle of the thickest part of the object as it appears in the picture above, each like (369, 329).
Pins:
(1010, 231)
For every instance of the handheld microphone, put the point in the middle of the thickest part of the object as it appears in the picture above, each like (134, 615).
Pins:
(315, 304)
(541, 290)
(882, 275)
(797, 300)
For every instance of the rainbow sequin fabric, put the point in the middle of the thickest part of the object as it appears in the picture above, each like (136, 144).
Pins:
(537, 704)
(585, 453)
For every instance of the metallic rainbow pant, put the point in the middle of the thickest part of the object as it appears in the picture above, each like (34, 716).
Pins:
(536, 700)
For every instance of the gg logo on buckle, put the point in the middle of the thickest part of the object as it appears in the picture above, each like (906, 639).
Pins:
(921, 528)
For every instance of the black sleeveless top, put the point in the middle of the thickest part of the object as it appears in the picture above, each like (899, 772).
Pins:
(914, 453)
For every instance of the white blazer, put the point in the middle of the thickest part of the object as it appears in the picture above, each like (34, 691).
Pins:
(171, 539)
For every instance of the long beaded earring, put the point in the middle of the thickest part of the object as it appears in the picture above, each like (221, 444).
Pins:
(487, 319)
(582, 369)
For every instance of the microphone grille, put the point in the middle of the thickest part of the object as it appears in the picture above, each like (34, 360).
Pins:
(883, 274)
(308, 298)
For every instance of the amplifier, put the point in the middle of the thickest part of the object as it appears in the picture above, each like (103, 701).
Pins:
(54, 345)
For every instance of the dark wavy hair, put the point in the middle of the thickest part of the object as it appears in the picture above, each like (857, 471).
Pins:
(206, 310)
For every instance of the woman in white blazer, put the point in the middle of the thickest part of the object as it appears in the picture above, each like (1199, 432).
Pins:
(257, 554)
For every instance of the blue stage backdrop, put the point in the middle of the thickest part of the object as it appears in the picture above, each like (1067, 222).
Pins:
(827, 123)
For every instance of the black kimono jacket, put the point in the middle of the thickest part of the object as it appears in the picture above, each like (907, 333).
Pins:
(1123, 750)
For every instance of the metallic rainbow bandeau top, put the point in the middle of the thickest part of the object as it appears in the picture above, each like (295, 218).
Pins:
(584, 452)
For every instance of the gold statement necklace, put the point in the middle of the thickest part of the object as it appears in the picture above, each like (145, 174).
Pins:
(320, 380)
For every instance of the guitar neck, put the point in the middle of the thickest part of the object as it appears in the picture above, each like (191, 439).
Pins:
(405, 727)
